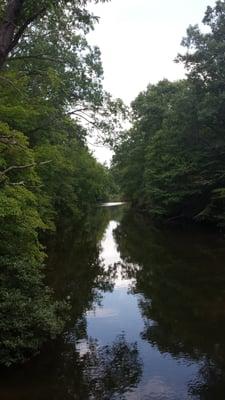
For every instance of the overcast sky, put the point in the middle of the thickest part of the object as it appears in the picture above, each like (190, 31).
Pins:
(139, 40)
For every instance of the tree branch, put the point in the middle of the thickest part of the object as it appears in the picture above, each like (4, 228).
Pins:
(21, 167)
(23, 27)
(9, 140)
(9, 34)
(40, 57)
(7, 80)
(77, 111)
(8, 27)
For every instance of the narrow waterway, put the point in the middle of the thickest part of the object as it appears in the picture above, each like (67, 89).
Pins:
(147, 315)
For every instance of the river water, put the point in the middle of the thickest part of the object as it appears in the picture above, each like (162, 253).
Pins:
(147, 318)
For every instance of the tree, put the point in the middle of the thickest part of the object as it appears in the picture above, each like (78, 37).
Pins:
(16, 16)
(174, 153)
(46, 170)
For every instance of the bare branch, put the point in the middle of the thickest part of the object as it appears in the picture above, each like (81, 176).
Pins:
(84, 117)
(21, 183)
(78, 110)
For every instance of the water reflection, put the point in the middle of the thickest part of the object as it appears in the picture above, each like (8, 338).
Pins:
(111, 370)
(79, 366)
(181, 279)
(147, 315)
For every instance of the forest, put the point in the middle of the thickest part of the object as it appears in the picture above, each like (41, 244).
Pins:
(50, 81)
(169, 164)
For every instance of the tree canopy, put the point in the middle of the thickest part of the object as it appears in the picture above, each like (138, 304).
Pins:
(171, 162)
(50, 81)
(17, 16)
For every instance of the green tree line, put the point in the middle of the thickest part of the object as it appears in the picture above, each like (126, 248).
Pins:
(50, 81)
(170, 163)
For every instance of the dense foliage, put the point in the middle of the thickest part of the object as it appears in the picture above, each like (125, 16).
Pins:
(50, 79)
(171, 162)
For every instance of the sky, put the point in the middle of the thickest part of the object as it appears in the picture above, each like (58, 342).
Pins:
(139, 40)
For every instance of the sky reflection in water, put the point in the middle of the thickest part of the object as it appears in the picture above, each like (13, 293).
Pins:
(147, 315)
(119, 312)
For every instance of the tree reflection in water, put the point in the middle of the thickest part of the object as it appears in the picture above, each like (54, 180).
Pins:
(112, 370)
(181, 279)
(91, 371)
(76, 367)
(86, 372)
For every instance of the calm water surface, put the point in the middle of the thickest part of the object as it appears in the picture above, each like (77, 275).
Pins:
(147, 318)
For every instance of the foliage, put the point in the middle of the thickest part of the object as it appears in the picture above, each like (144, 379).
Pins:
(171, 162)
(16, 16)
(50, 81)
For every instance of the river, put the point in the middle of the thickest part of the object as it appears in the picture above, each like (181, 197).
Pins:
(147, 318)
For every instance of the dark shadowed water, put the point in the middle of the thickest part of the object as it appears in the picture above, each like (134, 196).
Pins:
(147, 320)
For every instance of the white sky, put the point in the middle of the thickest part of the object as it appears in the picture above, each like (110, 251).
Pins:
(139, 40)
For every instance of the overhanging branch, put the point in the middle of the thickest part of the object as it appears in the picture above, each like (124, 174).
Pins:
(21, 167)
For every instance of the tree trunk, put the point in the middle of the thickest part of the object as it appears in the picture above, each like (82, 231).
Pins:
(8, 27)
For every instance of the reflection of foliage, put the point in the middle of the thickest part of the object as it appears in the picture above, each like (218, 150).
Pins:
(102, 373)
(111, 370)
(76, 269)
(76, 272)
(181, 278)
(114, 213)
(210, 383)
